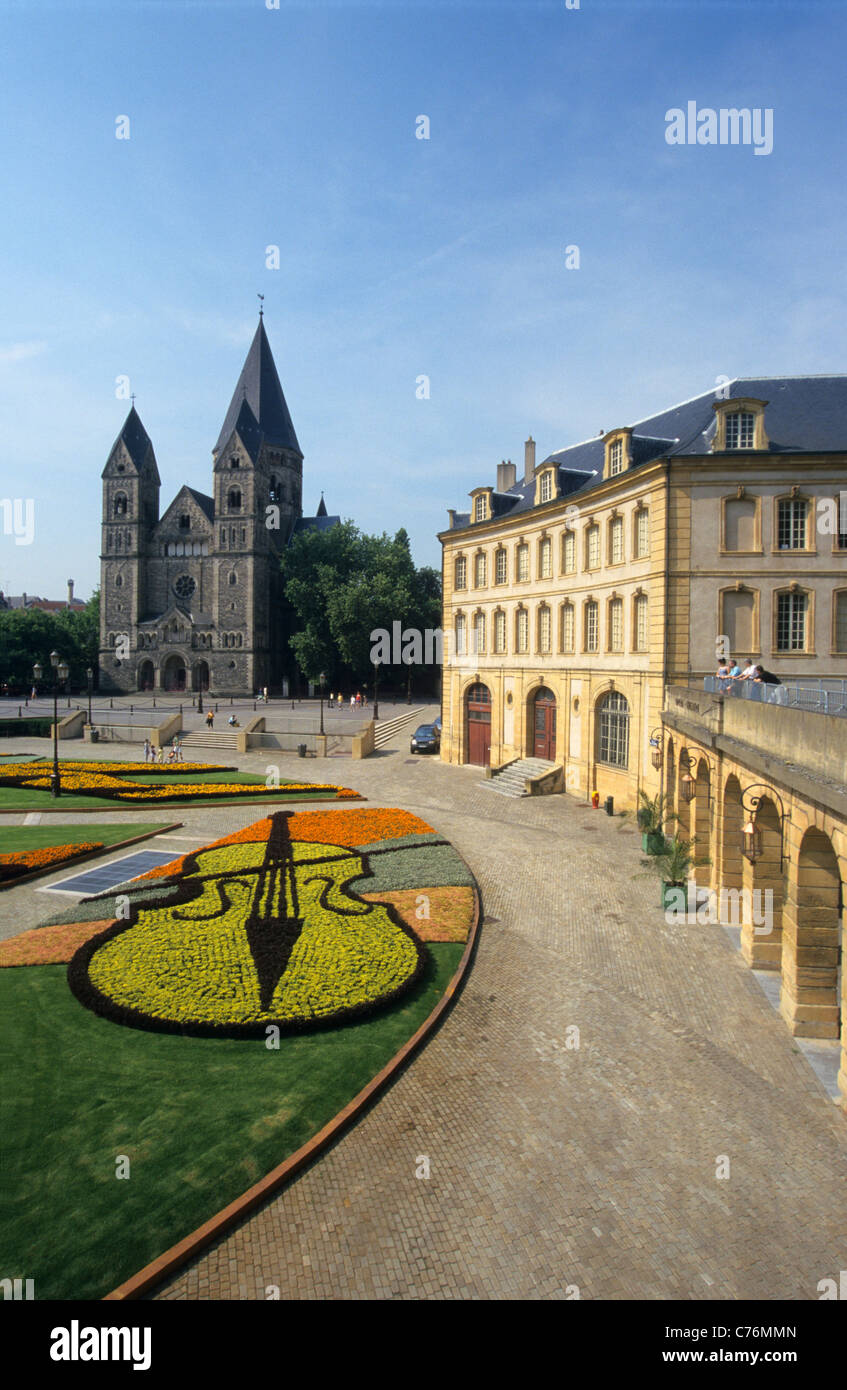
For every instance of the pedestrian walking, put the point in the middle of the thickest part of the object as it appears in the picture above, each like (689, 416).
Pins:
(147, 750)
(339, 701)
(352, 701)
(210, 719)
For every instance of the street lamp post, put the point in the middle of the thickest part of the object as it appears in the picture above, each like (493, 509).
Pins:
(376, 690)
(89, 676)
(60, 673)
(322, 678)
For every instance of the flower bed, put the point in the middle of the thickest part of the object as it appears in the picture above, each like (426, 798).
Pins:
(264, 927)
(16, 863)
(115, 781)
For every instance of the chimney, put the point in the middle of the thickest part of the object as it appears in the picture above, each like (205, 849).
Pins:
(529, 460)
(23, 600)
(70, 593)
(505, 476)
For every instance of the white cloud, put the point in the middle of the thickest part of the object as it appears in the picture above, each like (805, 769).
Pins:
(19, 352)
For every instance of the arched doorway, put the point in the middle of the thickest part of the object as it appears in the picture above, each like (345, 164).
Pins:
(543, 723)
(764, 884)
(731, 826)
(200, 676)
(173, 673)
(811, 940)
(146, 676)
(478, 721)
(701, 822)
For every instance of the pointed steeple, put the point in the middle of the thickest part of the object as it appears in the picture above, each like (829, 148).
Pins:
(136, 441)
(259, 395)
(321, 507)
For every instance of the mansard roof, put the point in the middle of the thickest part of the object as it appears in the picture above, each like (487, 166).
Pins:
(136, 441)
(803, 415)
(259, 389)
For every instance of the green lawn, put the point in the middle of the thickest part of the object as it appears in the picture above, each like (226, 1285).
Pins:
(18, 837)
(200, 1120)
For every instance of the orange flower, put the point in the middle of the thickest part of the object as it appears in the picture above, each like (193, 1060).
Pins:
(355, 827)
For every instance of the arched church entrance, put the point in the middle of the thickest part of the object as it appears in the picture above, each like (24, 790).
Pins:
(478, 723)
(543, 716)
(173, 672)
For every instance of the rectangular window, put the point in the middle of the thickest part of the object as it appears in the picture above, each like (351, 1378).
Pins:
(523, 562)
(739, 430)
(791, 622)
(522, 630)
(616, 625)
(499, 631)
(545, 489)
(460, 635)
(479, 509)
(479, 632)
(500, 572)
(544, 630)
(480, 571)
(642, 533)
(592, 549)
(616, 458)
(567, 627)
(616, 540)
(568, 552)
(841, 622)
(545, 560)
(641, 623)
(591, 627)
(461, 573)
(791, 523)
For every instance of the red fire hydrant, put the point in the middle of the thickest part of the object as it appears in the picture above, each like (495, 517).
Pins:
(595, 799)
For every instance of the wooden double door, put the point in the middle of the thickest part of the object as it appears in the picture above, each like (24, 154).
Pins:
(544, 724)
(478, 708)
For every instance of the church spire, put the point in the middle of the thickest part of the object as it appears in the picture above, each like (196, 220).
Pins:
(259, 390)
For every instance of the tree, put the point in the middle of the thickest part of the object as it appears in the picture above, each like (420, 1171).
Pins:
(341, 585)
(28, 635)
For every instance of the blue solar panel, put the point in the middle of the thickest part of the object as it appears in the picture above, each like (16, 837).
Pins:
(118, 871)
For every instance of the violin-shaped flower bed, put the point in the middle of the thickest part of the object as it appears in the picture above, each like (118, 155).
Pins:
(299, 920)
(123, 782)
(267, 930)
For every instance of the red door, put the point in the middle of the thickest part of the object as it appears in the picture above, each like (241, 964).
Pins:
(479, 725)
(545, 725)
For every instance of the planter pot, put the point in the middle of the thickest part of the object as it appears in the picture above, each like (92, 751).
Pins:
(653, 841)
(643, 819)
(673, 897)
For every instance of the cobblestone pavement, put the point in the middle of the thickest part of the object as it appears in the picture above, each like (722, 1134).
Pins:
(550, 1166)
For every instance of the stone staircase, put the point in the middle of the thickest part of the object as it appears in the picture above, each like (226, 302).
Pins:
(224, 741)
(387, 729)
(511, 780)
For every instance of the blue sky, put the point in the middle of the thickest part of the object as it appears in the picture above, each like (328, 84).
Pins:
(399, 257)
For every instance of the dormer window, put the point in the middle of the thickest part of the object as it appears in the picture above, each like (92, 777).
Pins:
(545, 487)
(740, 426)
(479, 509)
(617, 452)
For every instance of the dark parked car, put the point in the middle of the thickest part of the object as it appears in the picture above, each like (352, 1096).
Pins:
(426, 739)
(436, 724)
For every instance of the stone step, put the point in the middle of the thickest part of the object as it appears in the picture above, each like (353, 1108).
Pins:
(511, 781)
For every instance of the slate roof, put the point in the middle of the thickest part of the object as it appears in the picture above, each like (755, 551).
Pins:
(316, 523)
(804, 414)
(135, 437)
(258, 409)
(204, 502)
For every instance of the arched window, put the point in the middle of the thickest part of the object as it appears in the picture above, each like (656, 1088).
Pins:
(500, 631)
(460, 634)
(568, 552)
(592, 547)
(501, 572)
(522, 562)
(233, 499)
(273, 489)
(521, 631)
(461, 573)
(121, 504)
(545, 629)
(234, 463)
(616, 625)
(233, 577)
(480, 571)
(567, 629)
(479, 632)
(185, 522)
(613, 729)
(545, 559)
(591, 636)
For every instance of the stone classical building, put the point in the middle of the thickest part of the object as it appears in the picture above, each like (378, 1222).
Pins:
(574, 596)
(191, 599)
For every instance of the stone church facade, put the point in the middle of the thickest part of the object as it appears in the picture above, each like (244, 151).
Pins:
(192, 599)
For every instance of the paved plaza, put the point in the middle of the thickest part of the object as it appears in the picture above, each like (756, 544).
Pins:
(553, 1168)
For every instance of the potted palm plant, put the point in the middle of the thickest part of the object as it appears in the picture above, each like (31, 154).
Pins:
(673, 866)
(654, 812)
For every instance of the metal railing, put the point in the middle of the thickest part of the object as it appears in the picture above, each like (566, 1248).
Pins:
(825, 696)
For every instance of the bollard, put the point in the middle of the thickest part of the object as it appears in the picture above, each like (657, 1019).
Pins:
(180, 708)
(111, 704)
(609, 805)
(19, 711)
(131, 709)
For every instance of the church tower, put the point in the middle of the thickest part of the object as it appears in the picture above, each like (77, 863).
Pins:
(258, 480)
(130, 515)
